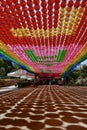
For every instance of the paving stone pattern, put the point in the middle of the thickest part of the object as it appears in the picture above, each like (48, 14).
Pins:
(44, 108)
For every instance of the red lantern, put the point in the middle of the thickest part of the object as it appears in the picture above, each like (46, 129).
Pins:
(83, 4)
(29, 26)
(44, 15)
(77, 3)
(70, 3)
(57, 7)
(63, 4)
(32, 14)
(4, 4)
(45, 26)
(9, 2)
(50, 13)
(50, 7)
(51, 2)
(40, 26)
(23, 3)
(56, 17)
(29, 2)
(12, 8)
(7, 10)
(38, 14)
(56, 12)
(43, 3)
(57, 1)
(37, 7)
(36, 1)
(45, 19)
(44, 10)
(35, 27)
(31, 9)
(17, 6)
(50, 22)
(15, 1)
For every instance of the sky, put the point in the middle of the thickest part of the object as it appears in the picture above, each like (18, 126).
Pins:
(84, 62)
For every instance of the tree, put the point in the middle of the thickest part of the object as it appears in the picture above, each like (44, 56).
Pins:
(76, 74)
(6, 67)
(83, 71)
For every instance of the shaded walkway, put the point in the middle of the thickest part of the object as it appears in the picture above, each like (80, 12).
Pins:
(44, 108)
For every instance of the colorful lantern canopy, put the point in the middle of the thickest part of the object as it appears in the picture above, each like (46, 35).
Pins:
(47, 37)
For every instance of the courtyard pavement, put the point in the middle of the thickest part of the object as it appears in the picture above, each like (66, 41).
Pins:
(46, 107)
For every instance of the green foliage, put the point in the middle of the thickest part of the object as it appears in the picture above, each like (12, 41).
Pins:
(75, 74)
(2, 71)
(83, 71)
(6, 67)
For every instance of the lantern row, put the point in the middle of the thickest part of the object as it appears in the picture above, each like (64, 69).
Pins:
(43, 23)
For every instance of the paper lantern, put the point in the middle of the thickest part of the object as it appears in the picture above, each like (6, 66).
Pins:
(70, 3)
(44, 36)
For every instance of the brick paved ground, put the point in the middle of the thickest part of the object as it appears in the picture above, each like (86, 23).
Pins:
(44, 108)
